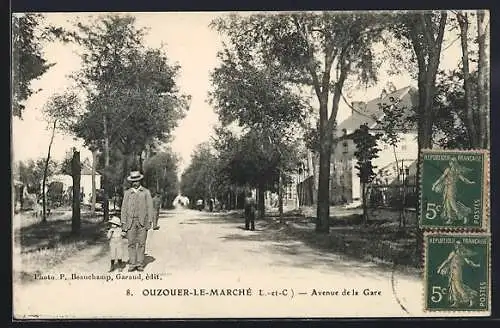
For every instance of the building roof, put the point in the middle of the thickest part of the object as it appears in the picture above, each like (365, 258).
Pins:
(370, 113)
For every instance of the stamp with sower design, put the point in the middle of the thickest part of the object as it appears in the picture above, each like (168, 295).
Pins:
(457, 272)
(454, 190)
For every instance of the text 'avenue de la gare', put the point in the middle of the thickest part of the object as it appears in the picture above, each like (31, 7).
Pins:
(256, 292)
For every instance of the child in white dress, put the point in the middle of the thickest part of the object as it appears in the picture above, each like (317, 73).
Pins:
(115, 235)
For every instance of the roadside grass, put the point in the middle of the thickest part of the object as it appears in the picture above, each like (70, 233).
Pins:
(41, 246)
(380, 240)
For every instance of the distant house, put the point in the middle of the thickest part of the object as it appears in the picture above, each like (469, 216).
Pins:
(85, 181)
(290, 195)
(65, 179)
(345, 186)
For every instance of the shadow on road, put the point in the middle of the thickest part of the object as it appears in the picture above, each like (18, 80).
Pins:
(294, 252)
(297, 255)
(306, 249)
(216, 220)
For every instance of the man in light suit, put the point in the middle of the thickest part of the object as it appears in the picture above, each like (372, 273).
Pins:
(137, 214)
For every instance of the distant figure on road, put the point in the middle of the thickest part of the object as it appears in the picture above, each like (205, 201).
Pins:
(211, 205)
(137, 214)
(249, 212)
(115, 235)
(199, 204)
(157, 207)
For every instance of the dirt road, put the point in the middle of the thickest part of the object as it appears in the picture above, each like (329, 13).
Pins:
(203, 264)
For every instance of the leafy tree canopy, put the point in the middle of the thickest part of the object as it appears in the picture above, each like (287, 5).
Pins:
(130, 85)
(28, 62)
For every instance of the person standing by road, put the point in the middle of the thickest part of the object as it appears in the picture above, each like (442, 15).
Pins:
(249, 211)
(137, 214)
(157, 207)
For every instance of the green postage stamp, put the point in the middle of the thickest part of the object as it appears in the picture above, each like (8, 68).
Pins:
(457, 272)
(454, 190)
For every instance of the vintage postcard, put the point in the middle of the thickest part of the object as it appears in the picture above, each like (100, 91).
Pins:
(250, 164)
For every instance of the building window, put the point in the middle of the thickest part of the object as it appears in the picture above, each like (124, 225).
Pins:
(345, 147)
(404, 147)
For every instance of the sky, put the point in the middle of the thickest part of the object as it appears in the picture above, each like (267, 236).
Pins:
(189, 42)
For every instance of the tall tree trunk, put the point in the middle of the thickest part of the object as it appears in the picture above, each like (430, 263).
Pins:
(323, 210)
(141, 162)
(261, 204)
(236, 199)
(483, 78)
(423, 141)
(325, 141)
(45, 172)
(125, 169)
(105, 179)
(363, 194)
(94, 191)
(427, 70)
(463, 22)
(425, 119)
(133, 161)
(75, 172)
(106, 142)
(21, 197)
(424, 138)
(327, 127)
(428, 54)
(280, 196)
(418, 231)
(323, 200)
(405, 177)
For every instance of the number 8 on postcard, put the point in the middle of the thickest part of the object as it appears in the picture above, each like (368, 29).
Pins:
(454, 189)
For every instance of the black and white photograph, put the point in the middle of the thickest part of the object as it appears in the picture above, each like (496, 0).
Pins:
(253, 164)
